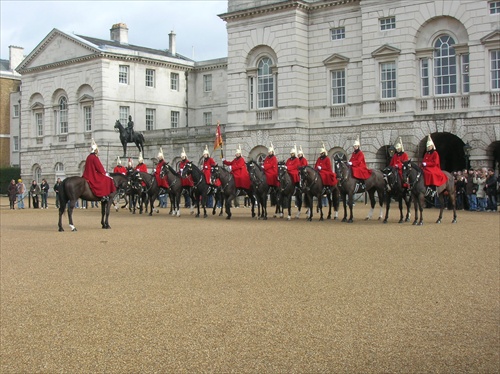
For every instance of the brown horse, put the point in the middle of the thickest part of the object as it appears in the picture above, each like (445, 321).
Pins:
(414, 176)
(74, 188)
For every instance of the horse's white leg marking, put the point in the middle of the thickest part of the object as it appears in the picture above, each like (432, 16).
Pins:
(73, 228)
(370, 214)
(381, 212)
(336, 214)
(289, 218)
(297, 215)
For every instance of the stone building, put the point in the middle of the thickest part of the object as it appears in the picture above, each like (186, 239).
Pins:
(305, 72)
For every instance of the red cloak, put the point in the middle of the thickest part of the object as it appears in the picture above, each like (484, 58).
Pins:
(359, 169)
(324, 166)
(95, 174)
(271, 170)
(433, 175)
(240, 172)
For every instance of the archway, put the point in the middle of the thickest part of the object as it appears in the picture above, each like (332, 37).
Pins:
(493, 152)
(450, 148)
(258, 154)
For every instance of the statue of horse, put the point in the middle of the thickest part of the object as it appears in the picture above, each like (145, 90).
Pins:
(348, 187)
(286, 190)
(137, 138)
(394, 189)
(260, 187)
(74, 188)
(200, 188)
(228, 189)
(152, 189)
(414, 176)
(312, 185)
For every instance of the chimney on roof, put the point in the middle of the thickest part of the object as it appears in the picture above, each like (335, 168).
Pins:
(16, 56)
(171, 43)
(119, 33)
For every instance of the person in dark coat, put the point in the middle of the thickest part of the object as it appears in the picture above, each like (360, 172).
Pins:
(12, 192)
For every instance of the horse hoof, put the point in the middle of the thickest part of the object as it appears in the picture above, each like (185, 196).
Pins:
(133, 212)
(400, 221)
(220, 214)
(191, 213)
(454, 221)
(61, 229)
(385, 221)
(73, 229)
(350, 221)
(321, 219)
(414, 223)
(309, 219)
(288, 218)
(228, 217)
(438, 221)
(420, 223)
(367, 218)
(335, 218)
(205, 215)
(344, 220)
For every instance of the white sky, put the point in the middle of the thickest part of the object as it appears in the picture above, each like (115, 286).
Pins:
(24, 23)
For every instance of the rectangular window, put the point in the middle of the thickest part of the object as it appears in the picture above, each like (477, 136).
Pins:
(63, 121)
(174, 81)
(174, 119)
(265, 91)
(337, 33)
(338, 87)
(424, 76)
(494, 7)
(495, 69)
(150, 78)
(123, 74)
(388, 80)
(124, 113)
(387, 23)
(150, 119)
(207, 83)
(87, 118)
(15, 140)
(39, 124)
(16, 110)
(251, 92)
(465, 73)
(207, 118)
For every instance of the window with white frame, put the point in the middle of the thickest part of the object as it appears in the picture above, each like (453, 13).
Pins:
(150, 119)
(15, 140)
(265, 84)
(174, 81)
(424, 77)
(174, 119)
(338, 86)
(388, 80)
(387, 23)
(37, 174)
(16, 110)
(150, 78)
(445, 66)
(494, 7)
(124, 113)
(62, 115)
(337, 33)
(464, 68)
(251, 92)
(495, 69)
(207, 82)
(39, 124)
(207, 118)
(87, 118)
(123, 74)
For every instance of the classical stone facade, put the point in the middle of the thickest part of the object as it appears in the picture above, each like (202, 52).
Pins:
(297, 72)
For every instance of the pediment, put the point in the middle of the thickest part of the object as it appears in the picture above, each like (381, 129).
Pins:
(85, 98)
(37, 105)
(55, 48)
(336, 60)
(492, 39)
(385, 51)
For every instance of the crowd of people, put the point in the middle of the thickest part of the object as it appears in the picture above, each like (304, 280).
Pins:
(477, 190)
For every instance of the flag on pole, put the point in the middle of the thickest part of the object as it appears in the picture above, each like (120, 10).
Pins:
(218, 137)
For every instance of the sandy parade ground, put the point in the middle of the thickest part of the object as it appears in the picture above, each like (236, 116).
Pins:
(167, 294)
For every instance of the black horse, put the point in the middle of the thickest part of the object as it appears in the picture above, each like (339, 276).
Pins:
(138, 193)
(137, 138)
(395, 189)
(152, 189)
(348, 186)
(228, 189)
(175, 188)
(414, 176)
(122, 184)
(260, 187)
(200, 189)
(74, 188)
(312, 185)
(286, 190)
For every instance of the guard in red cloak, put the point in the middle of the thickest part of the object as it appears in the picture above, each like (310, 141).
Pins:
(208, 162)
(239, 170)
(358, 163)
(399, 157)
(99, 181)
(270, 166)
(292, 166)
(324, 166)
(119, 168)
(162, 182)
(431, 165)
(188, 181)
(141, 166)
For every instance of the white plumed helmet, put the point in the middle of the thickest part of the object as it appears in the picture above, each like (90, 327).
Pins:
(205, 152)
(356, 142)
(118, 161)
(238, 150)
(323, 149)
(399, 145)
(160, 155)
(300, 152)
(293, 151)
(183, 153)
(271, 148)
(140, 159)
(430, 142)
(93, 147)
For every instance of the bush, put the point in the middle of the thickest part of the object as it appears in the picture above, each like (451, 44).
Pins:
(6, 175)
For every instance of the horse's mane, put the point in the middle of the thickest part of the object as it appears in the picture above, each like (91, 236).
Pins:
(414, 165)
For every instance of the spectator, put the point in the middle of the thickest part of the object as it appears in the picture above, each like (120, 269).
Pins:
(491, 191)
(12, 192)
(44, 187)
(471, 189)
(21, 192)
(460, 184)
(480, 180)
(57, 186)
(35, 192)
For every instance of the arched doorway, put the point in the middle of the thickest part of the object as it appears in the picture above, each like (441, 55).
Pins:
(258, 154)
(493, 152)
(450, 148)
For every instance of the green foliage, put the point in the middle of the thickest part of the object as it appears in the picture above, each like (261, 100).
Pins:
(6, 175)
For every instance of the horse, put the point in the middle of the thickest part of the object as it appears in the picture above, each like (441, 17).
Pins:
(152, 188)
(413, 175)
(175, 190)
(74, 188)
(122, 189)
(286, 190)
(348, 186)
(200, 188)
(396, 190)
(228, 189)
(312, 185)
(137, 192)
(137, 138)
(260, 187)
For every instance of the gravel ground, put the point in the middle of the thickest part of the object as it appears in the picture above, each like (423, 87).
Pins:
(164, 294)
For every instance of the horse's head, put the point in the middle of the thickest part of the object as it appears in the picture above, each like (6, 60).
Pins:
(390, 177)
(117, 125)
(214, 173)
(164, 169)
(188, 169)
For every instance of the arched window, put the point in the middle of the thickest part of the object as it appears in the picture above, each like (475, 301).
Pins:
(445, 66)
(59, 170)
(62, 115)
(265, 84)
(37, 174)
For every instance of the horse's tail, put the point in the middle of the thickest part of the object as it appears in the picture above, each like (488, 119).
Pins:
(63, 198)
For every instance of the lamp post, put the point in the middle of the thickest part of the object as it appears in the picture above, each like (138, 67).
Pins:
(467, 149)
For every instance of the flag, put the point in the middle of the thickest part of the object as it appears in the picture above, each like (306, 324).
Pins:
(218, 137)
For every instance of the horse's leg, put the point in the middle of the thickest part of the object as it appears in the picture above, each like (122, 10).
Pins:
(421, 204)
(228, 205)
(441, 207)
(62, 208)
(416, 201)
(371, 194)
(453, 205)
(310, 205)
(400, 201)
(387, 207)
(380, 193)
(106, 214)
(71, 206)
(320, 206)
(344, 203)
(407, 198)
(329, 206)
(350, 198)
